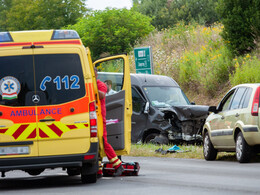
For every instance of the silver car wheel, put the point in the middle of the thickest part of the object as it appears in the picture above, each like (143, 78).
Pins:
(209, 152)
(243, 150)
(206, 145)
(239, 147)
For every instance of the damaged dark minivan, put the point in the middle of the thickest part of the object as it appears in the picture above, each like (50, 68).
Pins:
(162, 113)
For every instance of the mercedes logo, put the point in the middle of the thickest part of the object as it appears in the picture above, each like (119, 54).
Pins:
(35, 99)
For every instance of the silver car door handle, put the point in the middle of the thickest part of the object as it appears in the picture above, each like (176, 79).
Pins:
(222, 117)
(237, 115)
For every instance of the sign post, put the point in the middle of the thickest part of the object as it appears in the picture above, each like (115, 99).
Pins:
(143, 60)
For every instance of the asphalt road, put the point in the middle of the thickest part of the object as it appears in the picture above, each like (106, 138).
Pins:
(156, 176)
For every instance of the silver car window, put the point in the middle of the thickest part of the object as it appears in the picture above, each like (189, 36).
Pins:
(237, 98)
(247, 98)
(226, 104)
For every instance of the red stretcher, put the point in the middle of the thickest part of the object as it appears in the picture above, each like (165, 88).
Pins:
(130, 169)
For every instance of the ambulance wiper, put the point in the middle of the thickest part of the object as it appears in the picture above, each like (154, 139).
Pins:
(46, 120)
(32, 47)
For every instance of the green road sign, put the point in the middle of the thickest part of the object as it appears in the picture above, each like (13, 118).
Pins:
(143, 60)
(144, 71)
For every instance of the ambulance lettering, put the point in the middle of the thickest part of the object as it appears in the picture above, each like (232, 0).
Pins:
(58, 81)
(23, 113)
(50, 111)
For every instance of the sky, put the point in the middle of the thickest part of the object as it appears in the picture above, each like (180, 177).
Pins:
(102, 4)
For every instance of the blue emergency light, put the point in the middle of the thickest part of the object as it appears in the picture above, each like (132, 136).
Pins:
(65, 34)
(5, 37)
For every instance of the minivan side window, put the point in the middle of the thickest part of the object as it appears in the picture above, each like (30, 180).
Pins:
(237, 98)
(137, 101)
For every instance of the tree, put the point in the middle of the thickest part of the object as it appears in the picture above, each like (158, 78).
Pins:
(112, 31)
(166, 13)
(39, 14)
(200, 11)
(241, 20)
(5, 6)
(157, 10)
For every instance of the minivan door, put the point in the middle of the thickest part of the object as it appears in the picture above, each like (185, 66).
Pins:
(139, 117)
(118, 101)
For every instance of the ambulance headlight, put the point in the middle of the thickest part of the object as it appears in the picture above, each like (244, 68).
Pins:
(5, 37)
(65, 34)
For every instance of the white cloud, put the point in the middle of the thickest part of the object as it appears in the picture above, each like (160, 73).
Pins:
(102, 4)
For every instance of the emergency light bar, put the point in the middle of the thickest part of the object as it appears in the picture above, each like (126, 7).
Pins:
(5, 37)
(64, 34)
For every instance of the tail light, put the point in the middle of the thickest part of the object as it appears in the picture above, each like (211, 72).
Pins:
(93, 119)
(255, 105)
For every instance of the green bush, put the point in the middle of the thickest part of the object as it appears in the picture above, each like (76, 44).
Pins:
(198, 59)
(205, 65)
(247, 70)
(207, 69)
(241, 21)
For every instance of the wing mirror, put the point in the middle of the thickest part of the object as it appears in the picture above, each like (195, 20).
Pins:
(213, 109)
(146, 107)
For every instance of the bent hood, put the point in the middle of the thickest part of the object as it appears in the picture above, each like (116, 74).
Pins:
(188, 112)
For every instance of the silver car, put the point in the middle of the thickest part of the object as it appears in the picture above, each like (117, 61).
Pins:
(234, 124)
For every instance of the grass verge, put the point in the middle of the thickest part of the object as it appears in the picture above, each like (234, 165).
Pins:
(187, 151)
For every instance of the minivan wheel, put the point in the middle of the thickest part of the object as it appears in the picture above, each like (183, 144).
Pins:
(150, 136)
(243, 150)
(209, 152)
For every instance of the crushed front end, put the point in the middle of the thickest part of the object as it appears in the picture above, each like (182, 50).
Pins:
(181, 124)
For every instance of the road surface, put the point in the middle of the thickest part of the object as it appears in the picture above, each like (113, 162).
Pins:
(156, 176)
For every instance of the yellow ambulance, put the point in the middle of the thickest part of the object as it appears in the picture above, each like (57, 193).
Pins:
(50, 114)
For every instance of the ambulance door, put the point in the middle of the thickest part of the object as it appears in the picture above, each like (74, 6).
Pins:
(18, 136)
(118, 101)
(62, 101)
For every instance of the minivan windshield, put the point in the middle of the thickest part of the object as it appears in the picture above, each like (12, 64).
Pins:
(166, 96)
